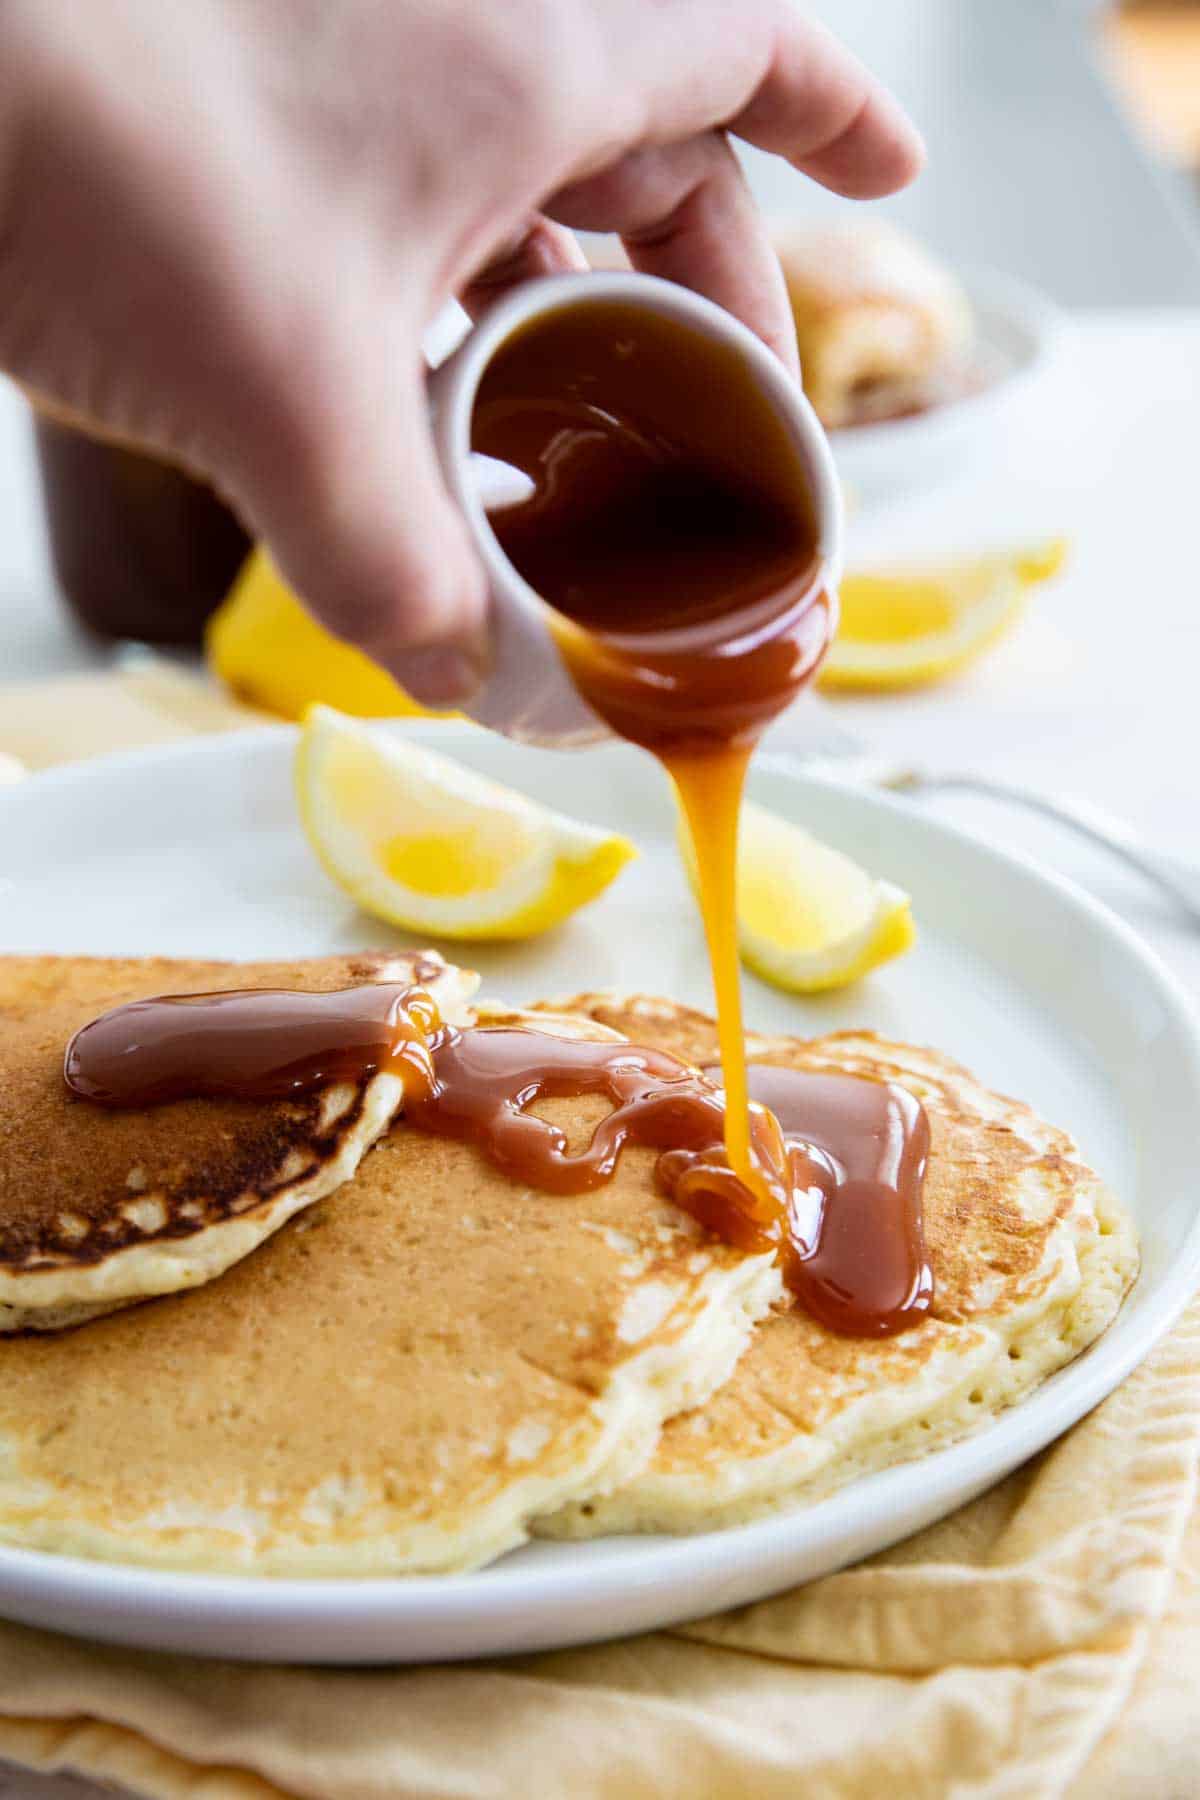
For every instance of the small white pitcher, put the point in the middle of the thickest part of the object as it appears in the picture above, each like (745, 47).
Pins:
(527, 692)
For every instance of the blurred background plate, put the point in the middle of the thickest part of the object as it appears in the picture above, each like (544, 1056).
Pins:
(1018, 333)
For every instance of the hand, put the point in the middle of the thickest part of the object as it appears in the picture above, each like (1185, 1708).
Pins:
(224, 226)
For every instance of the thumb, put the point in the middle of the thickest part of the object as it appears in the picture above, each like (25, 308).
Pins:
(345, 490)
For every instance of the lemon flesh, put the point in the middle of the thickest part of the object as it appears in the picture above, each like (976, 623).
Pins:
(264, 646)
(424, 843)
(809, 918)
(904, 628)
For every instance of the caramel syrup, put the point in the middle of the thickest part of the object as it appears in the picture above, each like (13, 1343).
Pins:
(253, 1044)
(851, 1163)
(858, 1151)
(671, 530)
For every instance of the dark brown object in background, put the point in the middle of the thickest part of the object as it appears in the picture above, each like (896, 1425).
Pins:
(140, 549)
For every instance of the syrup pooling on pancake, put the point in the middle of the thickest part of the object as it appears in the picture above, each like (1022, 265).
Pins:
(859, 1150)
(251, 1044)
(104, 1206)
(842, 1178)
(486, 1079)
(838, 1206)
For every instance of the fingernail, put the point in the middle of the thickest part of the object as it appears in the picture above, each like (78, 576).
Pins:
(436, 676)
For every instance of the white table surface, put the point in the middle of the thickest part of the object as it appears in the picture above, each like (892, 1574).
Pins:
(1099, 691)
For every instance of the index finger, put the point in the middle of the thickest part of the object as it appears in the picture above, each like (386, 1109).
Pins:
(827, 115)
(699, 73)
(766, 74)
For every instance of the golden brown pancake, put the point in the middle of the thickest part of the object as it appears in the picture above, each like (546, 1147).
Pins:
(1031, 1258)
(101, 1208)
(399, 1380)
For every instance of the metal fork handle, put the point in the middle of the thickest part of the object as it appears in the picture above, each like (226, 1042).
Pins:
(1178, 876)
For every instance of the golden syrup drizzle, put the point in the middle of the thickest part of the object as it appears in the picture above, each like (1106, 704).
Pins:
(710, 794)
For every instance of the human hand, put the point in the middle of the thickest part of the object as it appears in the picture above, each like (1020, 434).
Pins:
(223, 228)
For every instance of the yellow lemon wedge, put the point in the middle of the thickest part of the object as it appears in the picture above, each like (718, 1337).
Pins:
(265, 647)
(914, 626)
(809, 918)
(427, 844)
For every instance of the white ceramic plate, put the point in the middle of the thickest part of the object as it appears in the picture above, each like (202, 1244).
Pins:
(196, 850)
(1018, 333)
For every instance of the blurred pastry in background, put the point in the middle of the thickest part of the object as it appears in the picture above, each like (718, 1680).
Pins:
(884, 329)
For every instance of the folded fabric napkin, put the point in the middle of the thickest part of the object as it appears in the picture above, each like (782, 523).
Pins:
(151, 701)
(1042, 1641)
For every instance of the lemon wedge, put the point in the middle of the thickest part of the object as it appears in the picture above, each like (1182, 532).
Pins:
(907, 627)
(425, 843)
(808, 917)
(270, 652)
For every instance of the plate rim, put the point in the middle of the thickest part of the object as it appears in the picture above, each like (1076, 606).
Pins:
(48, 1580)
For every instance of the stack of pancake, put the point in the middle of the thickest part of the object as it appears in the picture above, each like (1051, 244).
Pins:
(308, 1339)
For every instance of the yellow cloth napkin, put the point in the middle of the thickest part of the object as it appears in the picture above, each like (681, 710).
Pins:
(71, 716)
(1043, 1641)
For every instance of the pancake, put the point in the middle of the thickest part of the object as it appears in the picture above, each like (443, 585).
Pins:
(99, 1209)
(1031, 1256)
(398, 1381)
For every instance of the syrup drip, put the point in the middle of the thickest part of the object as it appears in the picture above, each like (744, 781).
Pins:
(841, 1160)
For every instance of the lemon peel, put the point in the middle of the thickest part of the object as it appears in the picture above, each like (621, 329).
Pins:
(809, 918)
